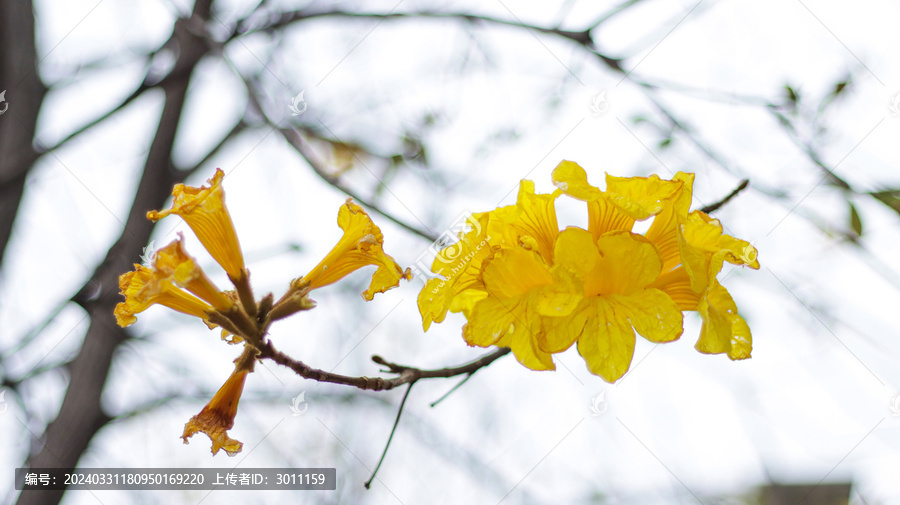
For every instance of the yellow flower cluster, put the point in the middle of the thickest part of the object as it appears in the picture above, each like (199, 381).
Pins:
(175, 281)
(524, 284)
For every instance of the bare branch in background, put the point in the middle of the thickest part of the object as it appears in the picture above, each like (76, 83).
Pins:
(24, 94)
(81, 414)
(717, 205)
(295, 139)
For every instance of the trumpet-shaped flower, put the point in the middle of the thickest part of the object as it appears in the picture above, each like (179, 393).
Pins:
(204, 211)
(217, 417)
(174, 261)
(361, 245)
(144, 287)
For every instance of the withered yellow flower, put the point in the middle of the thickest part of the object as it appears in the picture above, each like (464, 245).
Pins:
(204, 211)
(144, 287)
(174, 261)
(217, 417)
(361, 245)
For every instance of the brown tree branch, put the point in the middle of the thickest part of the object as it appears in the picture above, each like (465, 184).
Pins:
(406, 374)
(717, 205)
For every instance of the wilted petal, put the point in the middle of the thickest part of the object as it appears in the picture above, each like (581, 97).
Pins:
(217, 417)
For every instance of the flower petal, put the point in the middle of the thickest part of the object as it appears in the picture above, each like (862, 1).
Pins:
(572, 180)
(535, 217)
(607, 343)
(577, 250)
(514, 272)
(217, 417)
(508, 323)
(663, 232)
(677, 285)
(640, 197)
(629, 263)
(561, 297)
(524, 345)
(144, 287)
(705, 247)
(652, 313)
(174, 261)
(603, 215)
(561, 332)
(723, 330)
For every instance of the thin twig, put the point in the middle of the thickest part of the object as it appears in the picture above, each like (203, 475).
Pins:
(609, 14)
(391, 436)
(809, 150)
(295, 140)
(716, 205)
(243, 27)
(448, 393)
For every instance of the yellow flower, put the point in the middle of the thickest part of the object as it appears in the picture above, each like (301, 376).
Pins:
(692, 246)
(522, 293)
(143, 287)
(522, 283)
(204, 211)
(532, 220)
(174, 262)
(616, 272)
(704, 249)
(360, 246)
(217, 417)
(460, 265)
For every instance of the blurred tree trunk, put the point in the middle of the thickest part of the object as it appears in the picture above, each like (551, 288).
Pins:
(24, 93)
(81, 414)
